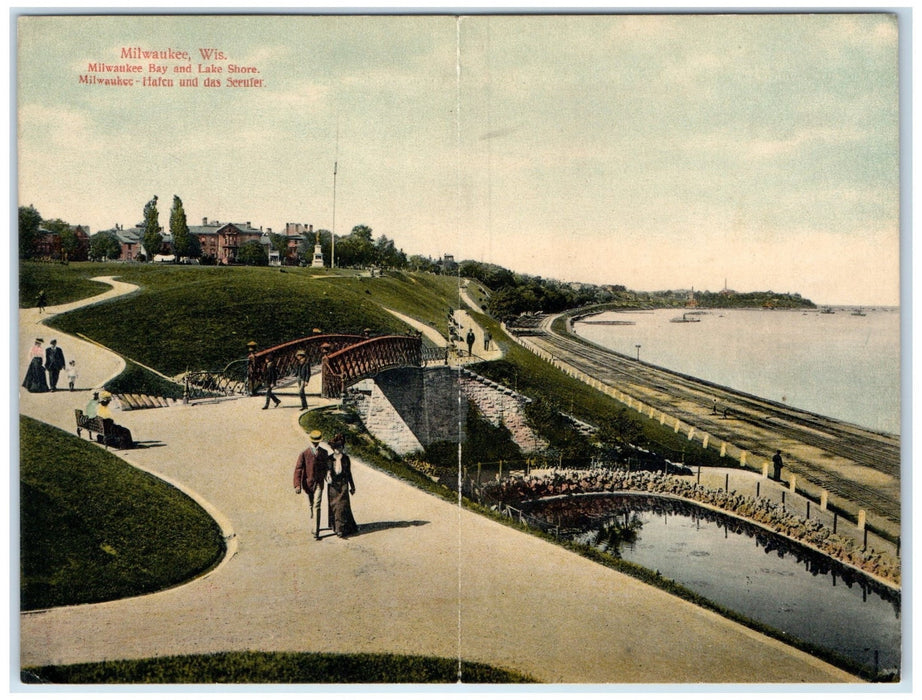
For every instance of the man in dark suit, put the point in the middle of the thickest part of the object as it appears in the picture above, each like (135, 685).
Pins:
(310, 477)
(270, 377)
(303, 373)
(54, 363)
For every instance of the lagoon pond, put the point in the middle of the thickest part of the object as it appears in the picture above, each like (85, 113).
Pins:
(743, 568)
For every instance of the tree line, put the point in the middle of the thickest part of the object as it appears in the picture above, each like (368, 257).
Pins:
(511, 294)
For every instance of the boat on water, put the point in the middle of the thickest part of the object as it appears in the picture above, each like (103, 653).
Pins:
(858, 312)
(684, 319)
(827, 310)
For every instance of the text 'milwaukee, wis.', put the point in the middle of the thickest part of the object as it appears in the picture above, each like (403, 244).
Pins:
(171, 68)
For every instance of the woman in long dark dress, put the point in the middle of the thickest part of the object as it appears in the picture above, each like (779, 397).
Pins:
(35, 381)
(339, 489)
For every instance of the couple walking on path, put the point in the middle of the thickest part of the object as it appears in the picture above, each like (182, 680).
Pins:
(34, 381)
(322, 465)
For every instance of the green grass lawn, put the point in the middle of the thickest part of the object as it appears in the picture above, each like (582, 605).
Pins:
(283, 668)
(94, 528)
(191, 317)
(62, 283)
(194, 318)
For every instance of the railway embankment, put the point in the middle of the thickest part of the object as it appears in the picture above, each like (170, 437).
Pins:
(842, 467)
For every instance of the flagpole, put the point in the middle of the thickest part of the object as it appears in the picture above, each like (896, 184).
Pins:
(333, 232)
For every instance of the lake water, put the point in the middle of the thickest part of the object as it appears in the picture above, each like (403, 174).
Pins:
(838, 365)
(743, 568)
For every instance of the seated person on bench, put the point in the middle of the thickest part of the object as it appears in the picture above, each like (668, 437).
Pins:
(116, 435)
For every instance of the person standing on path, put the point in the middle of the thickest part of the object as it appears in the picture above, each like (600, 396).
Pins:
(470, 341)
(71, 374)
(270, 378)
(340, 488)
(54, 363)
(251, 368)
(303, 372)
(487, 337)
(41, 301)
(34, 381)
(310, 476)
(777, 463)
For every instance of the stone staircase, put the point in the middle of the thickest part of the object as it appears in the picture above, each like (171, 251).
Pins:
(134, 402)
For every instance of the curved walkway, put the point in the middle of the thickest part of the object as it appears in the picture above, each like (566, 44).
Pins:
(421, 577)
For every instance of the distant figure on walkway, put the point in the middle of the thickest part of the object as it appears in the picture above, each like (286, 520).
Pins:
(54, 363)
(303, 372)
(251, 368)
(116, 435)
(92, 406)
(470, 341)
(340, 488)
(487, 337)
(271, 377)
(71, 374)
(34, 381)
(310, 475)
(41, 300)
(777, 463)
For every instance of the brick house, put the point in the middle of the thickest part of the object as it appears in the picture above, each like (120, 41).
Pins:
(223, 240)
(48, 244)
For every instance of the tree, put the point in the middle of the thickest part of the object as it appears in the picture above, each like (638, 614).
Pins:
(387, 255)
(362, 231)
(152, 239)
(105, 246)
(61, 234)
(422, 264)
(185, 245)
(70, 244)
(279, 242)
(252, 253)
(29, 223)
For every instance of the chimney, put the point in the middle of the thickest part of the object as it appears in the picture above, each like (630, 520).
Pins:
(204, 221)
(248, 225)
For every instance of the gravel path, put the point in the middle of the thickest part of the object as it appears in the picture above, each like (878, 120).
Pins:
(421, 577)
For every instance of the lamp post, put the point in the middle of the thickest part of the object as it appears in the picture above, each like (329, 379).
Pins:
(638, 352)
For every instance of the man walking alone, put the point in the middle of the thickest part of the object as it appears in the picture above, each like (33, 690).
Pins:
(303, 372)
(271, 377)
(310, 477)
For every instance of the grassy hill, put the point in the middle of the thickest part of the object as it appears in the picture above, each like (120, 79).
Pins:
(203, 317)
(84, 538)
(190, 317)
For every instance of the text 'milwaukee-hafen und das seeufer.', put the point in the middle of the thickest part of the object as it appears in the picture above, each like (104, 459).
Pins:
(171, 68)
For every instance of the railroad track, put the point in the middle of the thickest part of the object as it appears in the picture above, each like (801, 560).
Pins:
(826, 447)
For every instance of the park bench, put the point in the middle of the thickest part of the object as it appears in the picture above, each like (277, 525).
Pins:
(107, 431)
(91, 425)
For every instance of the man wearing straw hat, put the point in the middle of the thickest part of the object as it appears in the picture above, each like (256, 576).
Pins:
(310, 475)
(303, 373)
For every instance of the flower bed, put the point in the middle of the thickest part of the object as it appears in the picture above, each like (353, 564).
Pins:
(519, 489)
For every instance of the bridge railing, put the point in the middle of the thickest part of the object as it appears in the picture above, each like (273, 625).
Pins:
(365, 359)
(285, 356)
(204, 384)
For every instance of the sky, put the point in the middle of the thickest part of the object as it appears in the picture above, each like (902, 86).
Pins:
(760, 152)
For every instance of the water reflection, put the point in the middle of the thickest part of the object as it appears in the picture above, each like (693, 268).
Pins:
(742, 567)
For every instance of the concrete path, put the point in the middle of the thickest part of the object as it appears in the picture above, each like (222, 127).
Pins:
(421, 577)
